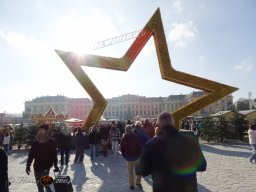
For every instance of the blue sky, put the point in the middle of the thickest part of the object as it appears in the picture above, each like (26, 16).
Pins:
(211, 39)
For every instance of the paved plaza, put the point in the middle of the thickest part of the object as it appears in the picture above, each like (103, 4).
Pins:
(228, 170)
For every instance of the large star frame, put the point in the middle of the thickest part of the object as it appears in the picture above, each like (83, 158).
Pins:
(100, 103)
(154, 27)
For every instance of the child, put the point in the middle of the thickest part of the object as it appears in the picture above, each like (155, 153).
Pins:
(105, 145)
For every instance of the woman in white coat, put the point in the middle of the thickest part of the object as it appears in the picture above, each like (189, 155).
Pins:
(252, 141)
(6, 142)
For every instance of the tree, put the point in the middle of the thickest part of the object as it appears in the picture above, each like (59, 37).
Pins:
(239, 125)
(221, 128)
(30, 135)
(207, 130)
(19, 136)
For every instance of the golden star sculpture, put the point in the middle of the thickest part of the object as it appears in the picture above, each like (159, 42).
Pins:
(154, 27)
(100, 103)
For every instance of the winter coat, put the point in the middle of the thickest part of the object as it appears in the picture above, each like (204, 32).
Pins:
(6, 140)
(43, 154)
(252, 136)
(114, 134)
(131, 147)
(4, 182)
(149, 129)
(140, 133)
(79, 139)
(94, 137)
(172, 160)
(64, 141)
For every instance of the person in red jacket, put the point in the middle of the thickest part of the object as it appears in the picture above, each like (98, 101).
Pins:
(131, 149)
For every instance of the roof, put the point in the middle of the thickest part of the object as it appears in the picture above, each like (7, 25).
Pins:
(246, 112)
(51, 112)
(175, 97)
(73, 120)
(220, 113)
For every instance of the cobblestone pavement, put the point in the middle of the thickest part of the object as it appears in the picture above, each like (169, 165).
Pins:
(228, 170)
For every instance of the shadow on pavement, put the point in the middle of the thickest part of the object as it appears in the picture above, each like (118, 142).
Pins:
(112, 176)
(79, 177)
(212, 149)
(201, 188)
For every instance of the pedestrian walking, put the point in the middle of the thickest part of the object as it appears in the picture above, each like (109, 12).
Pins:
(172, 159)
(148, 128)
(252, 141)
(105, 146)
(43, 152)
(131, 149)
(94, 141)
(80, 146)
(6, 142)
(64, 146)
(115, 137)
(140, 133)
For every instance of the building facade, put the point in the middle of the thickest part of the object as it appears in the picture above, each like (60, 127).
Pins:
(74, 107)
(123, 107)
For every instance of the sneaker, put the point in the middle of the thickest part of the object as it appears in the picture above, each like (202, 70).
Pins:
(251, 160)
(131, 187)
(139, 185)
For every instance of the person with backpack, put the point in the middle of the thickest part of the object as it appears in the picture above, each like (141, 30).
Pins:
(172, 159)
(131, 149)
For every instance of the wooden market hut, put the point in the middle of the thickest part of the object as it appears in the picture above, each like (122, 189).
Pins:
(250, 115)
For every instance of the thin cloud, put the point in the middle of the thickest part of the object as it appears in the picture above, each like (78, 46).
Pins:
(201, 59)
(178, 6)
(20, 40)
(246, 66)
(182, 33)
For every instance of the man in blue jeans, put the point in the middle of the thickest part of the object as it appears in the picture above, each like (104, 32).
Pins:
(43, 152)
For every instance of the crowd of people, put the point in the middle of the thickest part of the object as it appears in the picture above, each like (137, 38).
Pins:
(147, 147)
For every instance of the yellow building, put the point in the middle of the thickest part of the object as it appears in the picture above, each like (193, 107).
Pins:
(228, 115)
(250, 115)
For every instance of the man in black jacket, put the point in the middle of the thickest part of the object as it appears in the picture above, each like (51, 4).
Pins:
(94, 140)
(64, 146)
(80, 146)
(172, 159)
(4, 182)
(43, 152)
